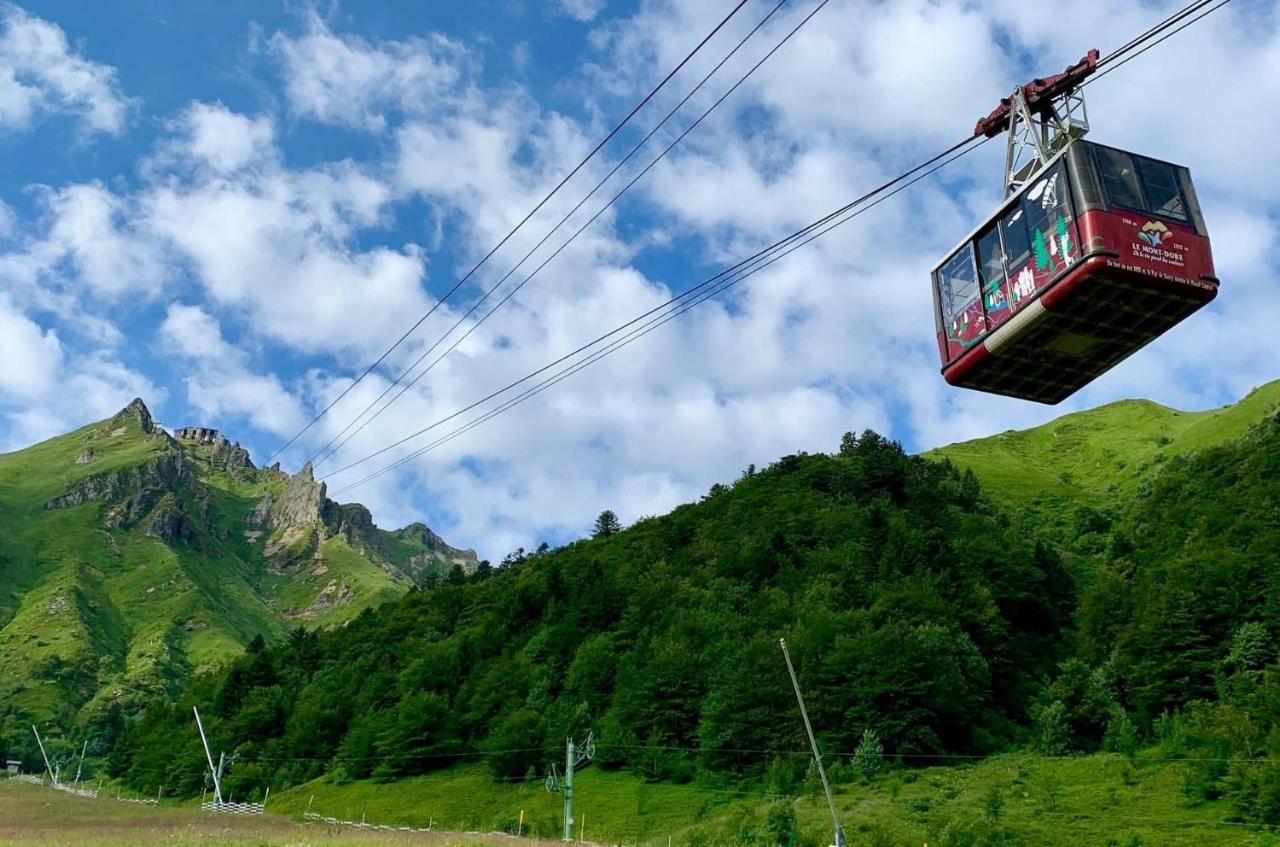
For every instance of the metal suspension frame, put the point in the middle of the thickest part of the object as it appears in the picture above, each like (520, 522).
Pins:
(1035, 136)
(1039, 119)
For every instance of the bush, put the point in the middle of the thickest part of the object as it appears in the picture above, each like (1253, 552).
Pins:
(780, 823)
(868, 758)
(976, 832)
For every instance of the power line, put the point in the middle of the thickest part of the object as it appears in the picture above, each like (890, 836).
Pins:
(516, 228)
(315, 459)
(593, 219)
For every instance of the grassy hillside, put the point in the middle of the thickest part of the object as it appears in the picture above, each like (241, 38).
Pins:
(1102, 455)
(1011, 800)
(130, 561)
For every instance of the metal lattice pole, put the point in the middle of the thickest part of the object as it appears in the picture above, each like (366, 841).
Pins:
(568, 789)
(575, 756)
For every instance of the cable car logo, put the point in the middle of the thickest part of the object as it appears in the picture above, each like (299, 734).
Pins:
(1154, 233)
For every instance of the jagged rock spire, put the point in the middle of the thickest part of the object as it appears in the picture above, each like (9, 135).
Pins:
(138, 411)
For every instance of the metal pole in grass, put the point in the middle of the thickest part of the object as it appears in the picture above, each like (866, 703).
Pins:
(44, 755)
(217, 789)
(817, 754)
(80, 766)
(266, 797)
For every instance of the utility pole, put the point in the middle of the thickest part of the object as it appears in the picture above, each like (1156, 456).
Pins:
(217, 774)
(813, 742)
(81, 765)
(53, 776)
(575, 756)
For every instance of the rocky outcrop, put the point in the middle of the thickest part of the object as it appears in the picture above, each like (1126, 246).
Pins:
(130, 493)
(437, 557)
(85, 457)
(229, 456)
(355, 524)
(301, 504)
(136, 412)
(424, 535)
(169, 521)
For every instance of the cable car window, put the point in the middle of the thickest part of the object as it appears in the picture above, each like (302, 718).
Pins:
(1160, 185)
(958, 283)
(990, 258)
(1119, 178)
(1046, 215)
(1017, 241)
(1189, 197)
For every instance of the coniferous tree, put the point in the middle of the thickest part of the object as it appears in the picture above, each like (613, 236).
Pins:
(606, 524)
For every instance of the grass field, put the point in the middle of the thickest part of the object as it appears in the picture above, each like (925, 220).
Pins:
(1011, 801)
(41, 817)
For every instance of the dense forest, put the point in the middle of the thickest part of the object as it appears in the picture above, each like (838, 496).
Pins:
(912, 607)
(915, 608)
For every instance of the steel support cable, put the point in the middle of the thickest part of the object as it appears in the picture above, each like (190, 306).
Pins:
(1119, 52)
(662, 155)
(658, 320)
(777, 245)
(517, 227)
(317, 459)
(1167, 35)
(744, 267)
(771, 248)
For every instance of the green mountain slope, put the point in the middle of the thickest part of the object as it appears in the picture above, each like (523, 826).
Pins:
(1101, 456)
(915, 608)
(910, 608)
(130, 560)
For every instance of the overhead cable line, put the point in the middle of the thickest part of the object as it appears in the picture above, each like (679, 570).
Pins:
(1166, 35)
(320, 455)
(744, 266)
(516, 228)
(1119, 52)
(593, 218)
(741, 266)
(655, 322)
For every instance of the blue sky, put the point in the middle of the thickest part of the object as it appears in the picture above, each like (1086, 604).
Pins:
(229, 209)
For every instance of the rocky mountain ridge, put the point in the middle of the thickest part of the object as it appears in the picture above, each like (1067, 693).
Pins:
(130, 558)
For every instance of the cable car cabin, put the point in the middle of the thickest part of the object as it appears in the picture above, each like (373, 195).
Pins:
(1099, 253)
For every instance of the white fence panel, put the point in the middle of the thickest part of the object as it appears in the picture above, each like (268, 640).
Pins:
(234, 808)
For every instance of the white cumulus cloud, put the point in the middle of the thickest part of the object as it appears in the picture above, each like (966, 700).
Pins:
(40, 71)
(343, 79)
(218, 379)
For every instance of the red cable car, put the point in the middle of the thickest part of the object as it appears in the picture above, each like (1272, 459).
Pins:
(1094, 253)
